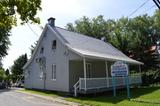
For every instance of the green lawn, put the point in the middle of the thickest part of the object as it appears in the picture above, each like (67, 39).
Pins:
(148, 96)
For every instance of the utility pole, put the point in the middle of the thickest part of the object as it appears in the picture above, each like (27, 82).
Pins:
(157, 2)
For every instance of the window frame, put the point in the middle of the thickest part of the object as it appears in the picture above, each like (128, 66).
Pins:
(53, 72)
(41, 75)
(42, 50)
(54, 45)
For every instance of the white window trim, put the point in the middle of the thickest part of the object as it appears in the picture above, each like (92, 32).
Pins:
(53, 79)
(52, 72)
(41, 75)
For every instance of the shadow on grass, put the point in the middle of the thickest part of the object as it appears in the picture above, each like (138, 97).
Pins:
(146, 101)
(136, 92)
(107, 97)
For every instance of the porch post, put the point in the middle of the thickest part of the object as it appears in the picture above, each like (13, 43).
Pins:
(107, 73)
(140, 69)
(128, 69)
(140, 77)
(84, 64)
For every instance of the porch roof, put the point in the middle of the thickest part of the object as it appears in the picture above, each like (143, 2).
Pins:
(96, 55)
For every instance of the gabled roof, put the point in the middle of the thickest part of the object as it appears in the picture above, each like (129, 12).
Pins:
(91, 47)
(86, 46)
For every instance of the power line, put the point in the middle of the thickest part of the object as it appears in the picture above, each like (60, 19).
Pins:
(138, 8)
(32, 29)
(157, 2)
(150, 8)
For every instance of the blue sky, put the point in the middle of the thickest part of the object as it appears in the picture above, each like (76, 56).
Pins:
(66, 11)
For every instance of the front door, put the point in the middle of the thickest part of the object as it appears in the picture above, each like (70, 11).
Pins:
(89, 70)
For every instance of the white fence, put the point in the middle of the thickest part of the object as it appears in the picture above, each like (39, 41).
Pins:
(93, 83)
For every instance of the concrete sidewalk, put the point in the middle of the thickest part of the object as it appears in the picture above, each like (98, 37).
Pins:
(53, 99)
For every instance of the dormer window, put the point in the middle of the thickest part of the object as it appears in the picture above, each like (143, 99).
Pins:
(54, 43)
(42, 50)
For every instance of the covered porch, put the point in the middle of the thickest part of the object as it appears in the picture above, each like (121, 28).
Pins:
(94, 75)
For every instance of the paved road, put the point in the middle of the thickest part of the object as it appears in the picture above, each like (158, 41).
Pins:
(12, 98)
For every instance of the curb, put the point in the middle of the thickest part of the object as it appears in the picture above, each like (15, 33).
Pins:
(54, 99)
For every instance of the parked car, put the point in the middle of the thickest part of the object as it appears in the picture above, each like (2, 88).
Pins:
(19, 83)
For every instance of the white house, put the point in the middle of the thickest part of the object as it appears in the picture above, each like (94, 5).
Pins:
(68, 61)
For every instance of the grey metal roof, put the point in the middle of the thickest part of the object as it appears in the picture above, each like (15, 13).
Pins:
(89, 46)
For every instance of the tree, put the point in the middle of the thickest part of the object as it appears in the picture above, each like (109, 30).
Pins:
(0, 63)
(16, 69)
(2, 74)
(7, 78)
(7, 72)
(135, 37)
(95, 27)
(10, 11)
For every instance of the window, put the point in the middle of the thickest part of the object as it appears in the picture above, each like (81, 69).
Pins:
(42, 50)
(41, 75)
(53, 72)
(54, 43)
(27, 73)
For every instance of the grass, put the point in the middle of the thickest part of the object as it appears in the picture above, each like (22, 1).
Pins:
(146, 96)
(140, 97)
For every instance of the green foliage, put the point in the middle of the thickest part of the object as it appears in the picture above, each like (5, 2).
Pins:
(8, 76)
(2, 75)
(7, 72)
(10, 11)
(26, 9)
(148, 96)
(95, 27)
(16, 69)
(151, 77)
(136, 37)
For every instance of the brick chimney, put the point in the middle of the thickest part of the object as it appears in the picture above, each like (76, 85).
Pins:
(51, 21)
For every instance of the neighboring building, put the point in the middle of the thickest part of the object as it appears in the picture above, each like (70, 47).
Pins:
(64, 60)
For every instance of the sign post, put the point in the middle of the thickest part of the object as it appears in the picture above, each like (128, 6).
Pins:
(114, 86)
(120, 69)
(127, 84)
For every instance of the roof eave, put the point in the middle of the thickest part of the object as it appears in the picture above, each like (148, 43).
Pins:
(34, 52)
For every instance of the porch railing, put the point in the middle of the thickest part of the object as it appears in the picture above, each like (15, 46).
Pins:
(95, 83)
